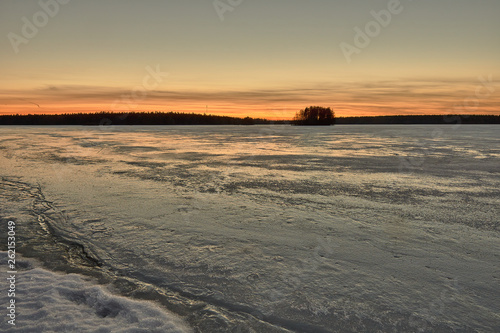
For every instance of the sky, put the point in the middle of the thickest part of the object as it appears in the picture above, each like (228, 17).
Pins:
(258, 58)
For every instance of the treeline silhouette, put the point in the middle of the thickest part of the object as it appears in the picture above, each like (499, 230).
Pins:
(178, 118)
(129, 118)
(420, 120)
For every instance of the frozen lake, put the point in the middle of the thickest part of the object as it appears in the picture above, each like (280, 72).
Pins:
(258, 228)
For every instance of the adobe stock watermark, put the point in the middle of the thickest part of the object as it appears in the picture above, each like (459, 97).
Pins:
(151, 81)
(372, 29)
(153, 78)
(431, 314)
(482, 91)
(223, 6)
(29, 30)
(11, 271)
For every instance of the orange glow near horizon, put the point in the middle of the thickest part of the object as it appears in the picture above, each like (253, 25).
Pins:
(347, 100)
(265, 112)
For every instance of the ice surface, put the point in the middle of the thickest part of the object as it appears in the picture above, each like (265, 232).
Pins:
(271, 228)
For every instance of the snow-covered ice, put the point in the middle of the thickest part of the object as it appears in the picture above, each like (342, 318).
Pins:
(51, 302)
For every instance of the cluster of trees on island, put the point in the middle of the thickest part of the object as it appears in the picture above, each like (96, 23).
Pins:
(314, 115)
(310, 116)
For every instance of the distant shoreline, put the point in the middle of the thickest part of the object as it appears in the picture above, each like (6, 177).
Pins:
(421, 120)
(177, 118)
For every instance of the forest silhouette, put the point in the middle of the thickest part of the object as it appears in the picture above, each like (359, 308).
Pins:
(178, 118)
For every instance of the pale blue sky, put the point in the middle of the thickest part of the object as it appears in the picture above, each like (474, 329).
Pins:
(276, 46)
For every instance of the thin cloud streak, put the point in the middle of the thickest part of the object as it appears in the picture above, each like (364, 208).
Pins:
(383, 97)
